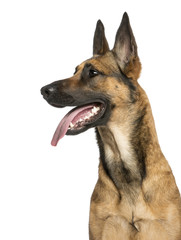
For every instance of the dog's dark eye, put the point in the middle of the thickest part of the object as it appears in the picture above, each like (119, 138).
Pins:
(93, 73)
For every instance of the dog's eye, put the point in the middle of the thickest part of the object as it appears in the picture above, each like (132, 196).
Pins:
(93, 73)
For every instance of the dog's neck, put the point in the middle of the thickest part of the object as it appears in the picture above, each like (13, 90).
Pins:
(127, 145)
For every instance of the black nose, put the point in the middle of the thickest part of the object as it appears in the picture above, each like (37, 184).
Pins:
(47, 91)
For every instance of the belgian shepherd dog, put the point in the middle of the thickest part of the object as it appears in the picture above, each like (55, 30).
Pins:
(136, 196)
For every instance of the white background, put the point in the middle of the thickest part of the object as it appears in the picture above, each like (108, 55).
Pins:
(45, 191)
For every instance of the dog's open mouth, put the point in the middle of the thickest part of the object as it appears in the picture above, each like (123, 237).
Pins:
(78, 120)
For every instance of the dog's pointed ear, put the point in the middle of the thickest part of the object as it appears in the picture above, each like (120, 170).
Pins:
(125, 49)
(100, 44)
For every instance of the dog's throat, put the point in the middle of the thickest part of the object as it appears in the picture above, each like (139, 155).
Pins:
(119, 160)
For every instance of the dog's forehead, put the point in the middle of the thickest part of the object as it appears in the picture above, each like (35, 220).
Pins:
(104, 63)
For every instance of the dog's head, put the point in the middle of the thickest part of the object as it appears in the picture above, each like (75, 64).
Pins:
(99, 85)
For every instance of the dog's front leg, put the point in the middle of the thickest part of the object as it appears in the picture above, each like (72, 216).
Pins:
(105, 222)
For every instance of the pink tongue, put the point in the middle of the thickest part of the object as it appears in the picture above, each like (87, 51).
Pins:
(65, 122)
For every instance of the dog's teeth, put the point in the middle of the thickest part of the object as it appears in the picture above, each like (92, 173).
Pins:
(90, 115)
(94, 110)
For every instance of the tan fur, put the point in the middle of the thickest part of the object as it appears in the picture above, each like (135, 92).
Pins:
(136, 197)
(148, 211)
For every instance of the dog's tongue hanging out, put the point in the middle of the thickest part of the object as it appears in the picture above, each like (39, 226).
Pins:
(74, 119)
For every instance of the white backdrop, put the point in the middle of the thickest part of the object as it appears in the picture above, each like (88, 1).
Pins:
(45, 191)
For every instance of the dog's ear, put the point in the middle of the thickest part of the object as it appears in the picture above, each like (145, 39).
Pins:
(125, 50)
(100, 44)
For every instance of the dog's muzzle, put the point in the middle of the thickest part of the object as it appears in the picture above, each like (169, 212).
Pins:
(56, 96)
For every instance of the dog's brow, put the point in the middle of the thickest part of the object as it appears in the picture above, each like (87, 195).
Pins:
(92, 66)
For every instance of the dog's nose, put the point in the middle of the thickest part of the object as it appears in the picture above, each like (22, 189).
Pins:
(47, 91)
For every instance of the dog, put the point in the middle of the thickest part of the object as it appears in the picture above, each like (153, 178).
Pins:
(136, 197)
